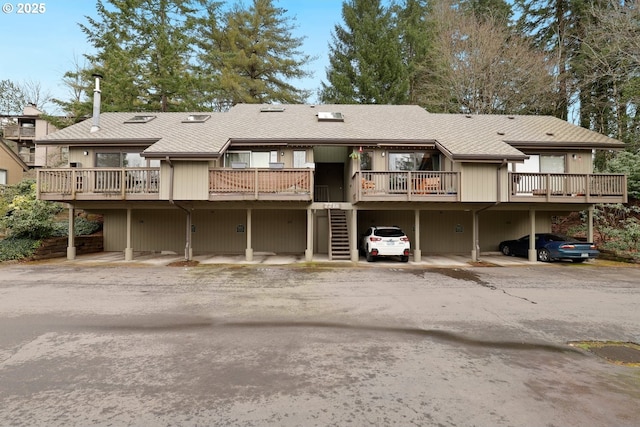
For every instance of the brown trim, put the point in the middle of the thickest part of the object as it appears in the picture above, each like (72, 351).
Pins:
(567, 144)
(180, 156)
(97, 142)
(332, 141)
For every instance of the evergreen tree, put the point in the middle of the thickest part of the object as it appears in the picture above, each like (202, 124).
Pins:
(143, 51)
(366, 58)
(497, 11)
(250, 55)
(417, 40)
(12, 98)
(557, 26)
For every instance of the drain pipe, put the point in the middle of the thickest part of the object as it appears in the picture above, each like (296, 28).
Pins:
(188, 251)
(476, 214)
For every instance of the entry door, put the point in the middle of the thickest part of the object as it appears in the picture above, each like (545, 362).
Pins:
(331, 175)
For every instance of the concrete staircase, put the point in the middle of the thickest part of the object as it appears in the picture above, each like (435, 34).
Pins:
(339, 235)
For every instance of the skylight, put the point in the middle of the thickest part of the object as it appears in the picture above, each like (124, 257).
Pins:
(272, 109)
(140, 119)
(326, 116)
(197, 118)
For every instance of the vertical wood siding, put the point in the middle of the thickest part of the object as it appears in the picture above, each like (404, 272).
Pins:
(191, 181)
(479, 182)
(279, 231)
(446, 232)
(222, 231)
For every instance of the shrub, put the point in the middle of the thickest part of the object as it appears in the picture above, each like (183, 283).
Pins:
(16, 248)
(82, 227)
(628, 163)
(25, 216)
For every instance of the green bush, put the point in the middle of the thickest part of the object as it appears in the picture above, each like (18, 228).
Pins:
(15, 248)
(82, 227)
(24, 216)
(628, 163)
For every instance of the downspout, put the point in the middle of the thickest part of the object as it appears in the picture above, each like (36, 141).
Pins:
(188, 253)
(476, 214)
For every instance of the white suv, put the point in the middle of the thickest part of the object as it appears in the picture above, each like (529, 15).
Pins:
(385, 241)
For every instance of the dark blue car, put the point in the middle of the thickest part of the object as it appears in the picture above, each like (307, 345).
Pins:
(551, 247)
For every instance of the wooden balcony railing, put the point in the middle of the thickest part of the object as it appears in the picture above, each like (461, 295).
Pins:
(557, 186)
(294, 184)
(15, 131)
(409, 185)
(99, 183)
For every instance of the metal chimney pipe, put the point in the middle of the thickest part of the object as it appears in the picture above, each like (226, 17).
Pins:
(96, 104)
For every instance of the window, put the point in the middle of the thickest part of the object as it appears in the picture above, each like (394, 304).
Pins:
(418, 161)
(3, 177)
(119, 160)
(366, 161)
(542, 163)
(251, 159)
(299, 158)
(64, 154)
(552, 164)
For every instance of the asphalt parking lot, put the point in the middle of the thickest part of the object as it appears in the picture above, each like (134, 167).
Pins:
(93, 342)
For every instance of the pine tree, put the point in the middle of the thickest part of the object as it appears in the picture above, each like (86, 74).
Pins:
(366, 57)
(143, 51)
(417, 43)
(557, 26)
(250, 55)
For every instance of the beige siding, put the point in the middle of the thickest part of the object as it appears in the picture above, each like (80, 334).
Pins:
(44, 128)
(213, 231)
(77, 155)
(220, 231)
(114, 230)
(280, 231)
(13, 168)
(579, 162)
(479, 182)
(190, 181)
(321, 232)
(446, 232)
(151, 230)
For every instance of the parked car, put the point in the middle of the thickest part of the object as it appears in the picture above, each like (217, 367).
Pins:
(551, 247)
(383, 241)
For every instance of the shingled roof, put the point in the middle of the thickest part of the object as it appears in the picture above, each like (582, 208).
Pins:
(461, 137)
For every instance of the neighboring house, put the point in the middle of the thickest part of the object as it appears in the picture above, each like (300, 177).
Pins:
(310, 179)
(12, 167)
(21, 132)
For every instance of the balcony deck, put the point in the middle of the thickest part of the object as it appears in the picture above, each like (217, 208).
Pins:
(407, 186)
(261, 184)
(567, 188)
(14, 131)
(100, 184)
